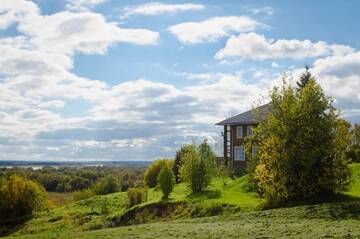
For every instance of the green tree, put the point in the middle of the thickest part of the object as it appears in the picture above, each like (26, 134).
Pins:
(299, 155)
(198, 167)
(152, 172)
(178, 159)
(19, 197)
(106, 185)
(166, 180)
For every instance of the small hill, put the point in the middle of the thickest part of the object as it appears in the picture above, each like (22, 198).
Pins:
(235, 213)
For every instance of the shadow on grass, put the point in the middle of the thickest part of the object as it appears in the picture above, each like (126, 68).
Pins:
(330, 206)
(12, 225)
(209, 194)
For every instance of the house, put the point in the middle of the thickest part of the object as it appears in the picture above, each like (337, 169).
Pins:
(237, 129)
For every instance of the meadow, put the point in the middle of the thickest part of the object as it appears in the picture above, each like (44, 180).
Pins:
(225, 210)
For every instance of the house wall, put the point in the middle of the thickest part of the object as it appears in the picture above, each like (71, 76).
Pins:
(237, 164)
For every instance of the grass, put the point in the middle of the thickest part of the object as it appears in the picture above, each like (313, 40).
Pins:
(55, 199)
(355, 189)
(91, 218)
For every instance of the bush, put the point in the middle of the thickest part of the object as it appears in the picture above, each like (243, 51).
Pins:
(166, 179)
(198, 167)
(106, 185)
(152, 172)
(301, 146)
(136, 196)
(19, 197)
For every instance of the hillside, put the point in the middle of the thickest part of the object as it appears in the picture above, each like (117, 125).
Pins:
(91, 218)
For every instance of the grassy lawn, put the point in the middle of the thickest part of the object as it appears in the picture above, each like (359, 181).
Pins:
(355, 189)
(88, 218)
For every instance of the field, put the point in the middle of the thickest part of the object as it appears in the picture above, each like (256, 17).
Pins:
(240, 216)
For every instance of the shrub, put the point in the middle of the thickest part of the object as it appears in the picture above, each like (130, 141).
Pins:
(299, 151)
(136, 196)
(152, 172)
(19, 197)
(106, 185)
(166, 180)
(198, 167)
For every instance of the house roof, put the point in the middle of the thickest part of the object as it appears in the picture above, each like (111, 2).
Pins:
(253, 116)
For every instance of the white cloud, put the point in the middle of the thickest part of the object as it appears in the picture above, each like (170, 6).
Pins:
(212, 29)
(269, 11)
(155, 8)
(85, 32)
(256, 47)
(202, 77)
(12, 11)
(82, 5)
(340, 76)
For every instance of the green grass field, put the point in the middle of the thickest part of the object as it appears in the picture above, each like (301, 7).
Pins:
(91, 218)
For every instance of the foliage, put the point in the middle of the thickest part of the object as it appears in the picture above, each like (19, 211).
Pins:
(70, 179)
(152, 172)
(19, 197)
(178, 160)
(299, 151)
(166, 180)
(136, 196)
(106, 185)
(198, 167)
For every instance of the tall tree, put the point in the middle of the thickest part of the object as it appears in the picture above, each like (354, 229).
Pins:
(166, 180)
(299, 154)
(304, 78)
(198, 167)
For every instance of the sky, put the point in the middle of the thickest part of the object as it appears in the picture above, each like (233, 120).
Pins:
(136, 80)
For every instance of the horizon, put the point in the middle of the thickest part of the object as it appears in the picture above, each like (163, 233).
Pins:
(103, 80)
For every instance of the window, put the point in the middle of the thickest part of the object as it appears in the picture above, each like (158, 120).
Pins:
(249, 130)
(239, 153)
(239, 132)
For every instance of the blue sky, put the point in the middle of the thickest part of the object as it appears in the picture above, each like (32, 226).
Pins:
(135, 80)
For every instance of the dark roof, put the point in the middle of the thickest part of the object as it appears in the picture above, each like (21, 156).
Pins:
(249, 117)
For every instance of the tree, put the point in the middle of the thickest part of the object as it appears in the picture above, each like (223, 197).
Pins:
(152, 172)
(198, 167)
(304, 78)
(178, 159)
(107, 185)
(298, 152)
(19, 197)
(166, 180)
